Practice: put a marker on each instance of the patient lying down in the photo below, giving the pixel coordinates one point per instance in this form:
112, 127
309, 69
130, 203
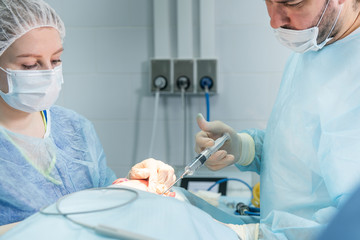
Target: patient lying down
248, 231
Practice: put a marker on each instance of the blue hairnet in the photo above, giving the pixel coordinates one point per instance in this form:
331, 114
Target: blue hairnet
18, 17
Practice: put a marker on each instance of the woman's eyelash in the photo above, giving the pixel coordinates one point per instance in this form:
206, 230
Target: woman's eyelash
30, 66
36, 64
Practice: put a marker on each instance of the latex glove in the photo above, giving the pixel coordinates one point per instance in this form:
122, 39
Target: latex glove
228, 154
160, 176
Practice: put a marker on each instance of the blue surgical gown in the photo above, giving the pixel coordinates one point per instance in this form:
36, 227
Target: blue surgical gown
309, 155
345, 225
79, 164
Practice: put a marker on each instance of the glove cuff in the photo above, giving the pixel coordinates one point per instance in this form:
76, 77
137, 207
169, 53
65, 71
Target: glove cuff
247, 149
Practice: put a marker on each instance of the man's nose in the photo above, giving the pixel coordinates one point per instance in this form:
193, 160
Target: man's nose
278, 15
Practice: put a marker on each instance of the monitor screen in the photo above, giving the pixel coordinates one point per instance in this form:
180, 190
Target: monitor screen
203, 183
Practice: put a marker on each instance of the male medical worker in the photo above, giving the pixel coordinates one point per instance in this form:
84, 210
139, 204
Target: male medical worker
308, 157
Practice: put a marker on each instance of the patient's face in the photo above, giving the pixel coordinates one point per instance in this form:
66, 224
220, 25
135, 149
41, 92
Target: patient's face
138, 184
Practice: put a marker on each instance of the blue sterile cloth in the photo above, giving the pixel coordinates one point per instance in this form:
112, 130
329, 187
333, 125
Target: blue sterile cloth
36, 172
216, 212
151, 215
309, 155
345, 225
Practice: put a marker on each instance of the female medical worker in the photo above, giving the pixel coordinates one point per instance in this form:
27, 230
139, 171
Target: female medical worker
308, 157
46, 151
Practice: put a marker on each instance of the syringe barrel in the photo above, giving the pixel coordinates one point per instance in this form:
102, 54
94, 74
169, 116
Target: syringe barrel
204, 155
198, 162
217, 145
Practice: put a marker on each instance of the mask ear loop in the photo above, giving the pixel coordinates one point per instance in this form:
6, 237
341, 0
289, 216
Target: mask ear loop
327, 39
4, 70
322, 15
10, 86
337, 18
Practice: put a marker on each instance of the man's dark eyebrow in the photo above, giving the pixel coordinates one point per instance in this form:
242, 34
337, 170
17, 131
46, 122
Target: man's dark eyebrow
285, 1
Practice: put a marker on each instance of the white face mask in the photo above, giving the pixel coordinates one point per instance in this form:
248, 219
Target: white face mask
304, 40
33, 90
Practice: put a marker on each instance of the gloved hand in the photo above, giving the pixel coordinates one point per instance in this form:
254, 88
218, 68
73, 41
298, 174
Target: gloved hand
159, 175
231, 151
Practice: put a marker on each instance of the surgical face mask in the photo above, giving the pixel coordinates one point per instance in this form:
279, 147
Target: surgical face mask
32, 90
304, 40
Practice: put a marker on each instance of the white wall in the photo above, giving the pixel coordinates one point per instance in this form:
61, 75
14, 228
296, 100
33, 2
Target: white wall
106, 69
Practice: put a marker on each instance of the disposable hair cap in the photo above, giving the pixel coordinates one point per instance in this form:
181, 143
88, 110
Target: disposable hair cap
18, 17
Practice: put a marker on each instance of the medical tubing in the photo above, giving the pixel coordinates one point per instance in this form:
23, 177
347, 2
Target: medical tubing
252, 213
231, 179
98, 210
153, 133
207, 100
101, 229
254, 209
206, 83
90, 211
244, 209
183, 100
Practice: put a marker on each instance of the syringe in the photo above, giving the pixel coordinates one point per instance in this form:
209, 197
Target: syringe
201, 158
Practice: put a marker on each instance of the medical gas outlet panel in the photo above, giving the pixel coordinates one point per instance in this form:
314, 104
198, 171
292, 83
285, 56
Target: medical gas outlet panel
192, 76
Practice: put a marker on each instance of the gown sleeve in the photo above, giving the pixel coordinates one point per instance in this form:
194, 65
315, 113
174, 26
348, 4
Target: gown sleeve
258, 137
106, 175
